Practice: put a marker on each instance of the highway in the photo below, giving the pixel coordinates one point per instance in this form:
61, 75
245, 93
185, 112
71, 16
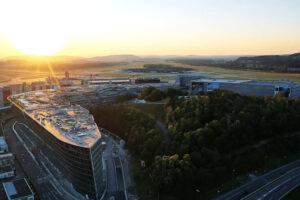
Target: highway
277, 188
266, 183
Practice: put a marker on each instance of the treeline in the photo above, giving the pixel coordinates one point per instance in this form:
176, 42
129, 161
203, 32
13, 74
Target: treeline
137, 128
274, 63
209, 137
160, 68
166, 68
154, 94
125, 97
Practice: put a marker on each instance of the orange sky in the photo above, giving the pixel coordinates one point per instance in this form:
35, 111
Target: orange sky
177, 27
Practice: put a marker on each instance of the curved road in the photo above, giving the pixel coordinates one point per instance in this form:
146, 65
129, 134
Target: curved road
263, 181
277, 188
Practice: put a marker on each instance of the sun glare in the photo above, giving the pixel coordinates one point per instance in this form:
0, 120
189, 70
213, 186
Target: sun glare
37, 27
37, 43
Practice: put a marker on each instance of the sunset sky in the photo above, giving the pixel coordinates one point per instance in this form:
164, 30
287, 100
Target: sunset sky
156, 27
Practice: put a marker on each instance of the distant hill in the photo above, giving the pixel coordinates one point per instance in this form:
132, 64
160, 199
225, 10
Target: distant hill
115, 58
61, 63
279, 63
73, 59
276, 63
31, 58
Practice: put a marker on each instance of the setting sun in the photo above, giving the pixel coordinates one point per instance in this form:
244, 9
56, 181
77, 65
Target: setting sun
36, 27
42, 42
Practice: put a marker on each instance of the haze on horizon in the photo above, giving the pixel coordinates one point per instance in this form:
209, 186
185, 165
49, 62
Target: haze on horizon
170, 27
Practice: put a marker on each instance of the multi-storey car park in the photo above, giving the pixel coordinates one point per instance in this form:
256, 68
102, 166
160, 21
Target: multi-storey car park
245, 87
70, 131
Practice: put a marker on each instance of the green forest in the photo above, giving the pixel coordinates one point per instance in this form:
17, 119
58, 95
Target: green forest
160, 68
212, 139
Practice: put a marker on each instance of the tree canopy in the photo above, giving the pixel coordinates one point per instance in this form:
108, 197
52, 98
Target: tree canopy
209, 136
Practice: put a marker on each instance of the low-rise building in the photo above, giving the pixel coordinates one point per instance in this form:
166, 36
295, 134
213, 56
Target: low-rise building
4, 93
6, 159
16, 190
184, 80
6, 171
245, 87
3, 146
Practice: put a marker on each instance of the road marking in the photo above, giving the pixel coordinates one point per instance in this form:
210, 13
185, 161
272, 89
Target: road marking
289, 191
25, 146
239, 190
266, 194
249, 195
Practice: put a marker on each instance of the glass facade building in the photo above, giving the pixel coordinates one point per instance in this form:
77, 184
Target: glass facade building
84, 164
70, 132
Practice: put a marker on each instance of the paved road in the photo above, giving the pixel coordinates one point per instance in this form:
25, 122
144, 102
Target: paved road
163, 128
284, 190
277, 188
239, 192
111, 175
33, 171
115, 186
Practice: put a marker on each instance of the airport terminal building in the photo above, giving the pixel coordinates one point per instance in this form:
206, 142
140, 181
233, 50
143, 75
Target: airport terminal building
245, 87
70, 131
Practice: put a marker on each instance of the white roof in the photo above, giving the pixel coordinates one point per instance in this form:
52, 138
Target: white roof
211, 80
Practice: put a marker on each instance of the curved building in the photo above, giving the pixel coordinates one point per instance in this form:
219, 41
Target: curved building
70, 131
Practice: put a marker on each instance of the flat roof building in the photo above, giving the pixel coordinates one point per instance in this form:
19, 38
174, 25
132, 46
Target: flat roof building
185, 79
6, 171
16, 190
245, 87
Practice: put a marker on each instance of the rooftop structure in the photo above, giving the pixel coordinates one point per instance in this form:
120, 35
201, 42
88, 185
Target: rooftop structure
69, 123
99, 82
6, 171
222, 80
17, 189
6, 159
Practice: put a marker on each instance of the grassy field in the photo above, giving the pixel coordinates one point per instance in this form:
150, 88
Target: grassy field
293, 195
9, 76
154, 110
218, 72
